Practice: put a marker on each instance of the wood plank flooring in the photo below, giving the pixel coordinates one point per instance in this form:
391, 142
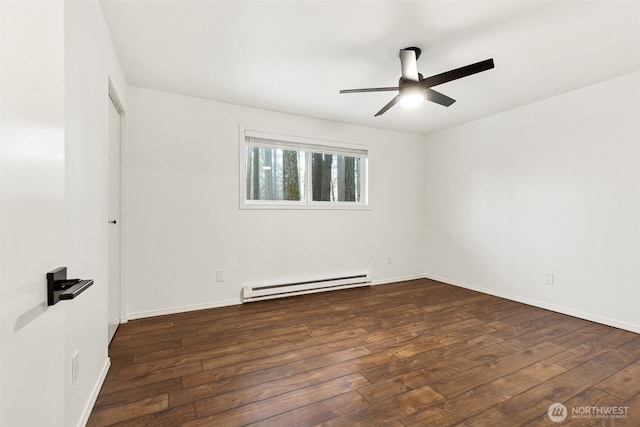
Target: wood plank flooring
416, 353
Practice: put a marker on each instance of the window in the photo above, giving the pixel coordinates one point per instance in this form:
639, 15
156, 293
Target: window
284, 171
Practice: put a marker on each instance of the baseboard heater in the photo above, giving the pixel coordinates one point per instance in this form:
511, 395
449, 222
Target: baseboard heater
263, 292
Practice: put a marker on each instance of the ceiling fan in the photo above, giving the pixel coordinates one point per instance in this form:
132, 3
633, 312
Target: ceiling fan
413, 88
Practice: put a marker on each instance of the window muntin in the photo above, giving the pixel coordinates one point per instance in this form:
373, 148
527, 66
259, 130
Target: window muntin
296, 172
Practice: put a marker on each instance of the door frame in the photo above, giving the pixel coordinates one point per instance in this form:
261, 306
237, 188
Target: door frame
115, 98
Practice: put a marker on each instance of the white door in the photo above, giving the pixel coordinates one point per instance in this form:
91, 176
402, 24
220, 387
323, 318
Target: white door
32, 213
114, 219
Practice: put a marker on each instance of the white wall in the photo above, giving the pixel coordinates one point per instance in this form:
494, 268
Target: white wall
549, 187
181, 216
90, 63
57, 59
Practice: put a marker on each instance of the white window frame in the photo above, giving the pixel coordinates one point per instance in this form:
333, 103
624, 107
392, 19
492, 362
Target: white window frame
308, 145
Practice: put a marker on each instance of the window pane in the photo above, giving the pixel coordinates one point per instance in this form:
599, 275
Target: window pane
289, 172
335, 178
274, 174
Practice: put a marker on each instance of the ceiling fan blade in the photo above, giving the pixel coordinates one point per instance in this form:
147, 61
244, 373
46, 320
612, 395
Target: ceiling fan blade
409, 64
390, 104
438, 97
370, 89
458, 73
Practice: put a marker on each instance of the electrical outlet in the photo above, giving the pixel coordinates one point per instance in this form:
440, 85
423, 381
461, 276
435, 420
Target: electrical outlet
388, 260
75, 367
375, 261
220, 276
548, 278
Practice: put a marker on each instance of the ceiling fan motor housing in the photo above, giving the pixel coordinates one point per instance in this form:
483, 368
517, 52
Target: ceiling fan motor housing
409, 85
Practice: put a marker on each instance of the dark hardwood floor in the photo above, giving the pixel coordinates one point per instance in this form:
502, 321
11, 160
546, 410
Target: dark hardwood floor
417, 353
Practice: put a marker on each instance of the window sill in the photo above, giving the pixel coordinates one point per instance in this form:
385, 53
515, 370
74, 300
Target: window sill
304, 206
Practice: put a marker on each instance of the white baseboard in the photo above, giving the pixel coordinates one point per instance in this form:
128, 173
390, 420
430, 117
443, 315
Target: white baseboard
397, 279
517, 298
182, 309
94, 394
225, 303
540, 304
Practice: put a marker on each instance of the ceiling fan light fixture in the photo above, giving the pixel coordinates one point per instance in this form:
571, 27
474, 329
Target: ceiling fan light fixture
411, 96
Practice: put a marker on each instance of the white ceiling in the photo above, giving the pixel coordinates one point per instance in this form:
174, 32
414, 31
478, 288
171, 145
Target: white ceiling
294, 56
